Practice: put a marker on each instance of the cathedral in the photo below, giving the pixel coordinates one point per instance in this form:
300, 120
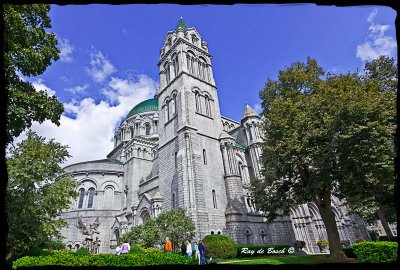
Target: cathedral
177, 151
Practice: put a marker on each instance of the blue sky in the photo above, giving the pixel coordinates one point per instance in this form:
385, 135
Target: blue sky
110, 52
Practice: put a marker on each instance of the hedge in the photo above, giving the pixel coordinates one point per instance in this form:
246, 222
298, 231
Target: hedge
375, 252
248, 250
219, 246
102, 260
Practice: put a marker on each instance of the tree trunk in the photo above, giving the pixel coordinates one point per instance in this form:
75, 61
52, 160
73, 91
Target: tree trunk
385, 224
323, 203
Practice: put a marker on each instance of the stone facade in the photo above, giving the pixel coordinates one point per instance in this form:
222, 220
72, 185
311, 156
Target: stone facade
178, 151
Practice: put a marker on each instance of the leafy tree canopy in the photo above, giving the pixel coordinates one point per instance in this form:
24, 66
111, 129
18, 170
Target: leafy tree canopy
326, 135
174, 224
37, 191
28, 49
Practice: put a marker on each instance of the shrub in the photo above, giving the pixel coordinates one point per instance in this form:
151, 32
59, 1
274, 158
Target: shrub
349, 252
322, 244
82, 252
376, 252
135, 249
345, 243
299, 244
374, 235
219, 246
247, 250
102, 260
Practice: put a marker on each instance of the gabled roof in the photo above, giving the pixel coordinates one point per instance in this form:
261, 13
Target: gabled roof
249, 112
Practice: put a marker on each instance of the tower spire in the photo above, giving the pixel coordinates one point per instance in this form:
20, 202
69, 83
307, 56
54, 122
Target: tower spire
181, 24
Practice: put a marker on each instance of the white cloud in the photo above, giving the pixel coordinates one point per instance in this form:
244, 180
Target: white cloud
40, 86
77, 89
100, 67
257, 108
377, 43
66, 50
372, 15
89, 134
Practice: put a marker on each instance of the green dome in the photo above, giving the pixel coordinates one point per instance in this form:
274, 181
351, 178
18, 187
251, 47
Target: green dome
144, 106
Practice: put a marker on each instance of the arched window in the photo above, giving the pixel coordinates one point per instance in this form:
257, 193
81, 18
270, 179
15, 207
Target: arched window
90, 198
155, 126
202, 68
208, 106
69, 247
240, 167
167, 73
81, 196
147, 127
77, 246
131, 130
198, 102
176, 64
212, 232
172, 107
166, 111
214, 197
204, 157
176, 159
108, 197
173, 201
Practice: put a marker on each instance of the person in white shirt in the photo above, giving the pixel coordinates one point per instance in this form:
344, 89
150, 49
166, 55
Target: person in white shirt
188, 248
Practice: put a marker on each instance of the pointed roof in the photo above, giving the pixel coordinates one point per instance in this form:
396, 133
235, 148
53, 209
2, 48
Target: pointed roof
248, 112
225, 135
181, 24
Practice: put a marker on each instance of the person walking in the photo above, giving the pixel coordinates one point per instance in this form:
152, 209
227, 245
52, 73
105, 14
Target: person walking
168, 246
196, 251
125, 247
202, 249
188, 248
183, 248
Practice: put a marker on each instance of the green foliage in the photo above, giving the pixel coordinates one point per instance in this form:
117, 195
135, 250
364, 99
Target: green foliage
323, 244
328, 135
102, 260
173, 224
299, 244
344, 243
37, 191
349, 252
374, 235
135, 249
375, 252
246, 250
28, 49
82, 252
219, 246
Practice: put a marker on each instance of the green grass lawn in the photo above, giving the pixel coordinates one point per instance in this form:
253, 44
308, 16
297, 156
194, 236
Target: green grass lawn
286, 259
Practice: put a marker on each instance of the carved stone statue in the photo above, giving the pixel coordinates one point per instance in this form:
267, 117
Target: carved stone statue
89, 231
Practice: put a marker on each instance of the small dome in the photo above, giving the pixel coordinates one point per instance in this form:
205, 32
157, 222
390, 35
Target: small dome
148, 105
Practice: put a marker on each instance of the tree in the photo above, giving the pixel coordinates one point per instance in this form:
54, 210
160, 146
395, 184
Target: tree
28, 49
318, 130
173, 224
37, 191
379, 203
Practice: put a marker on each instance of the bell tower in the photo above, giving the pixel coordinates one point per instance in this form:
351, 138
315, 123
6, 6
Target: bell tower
191, 171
